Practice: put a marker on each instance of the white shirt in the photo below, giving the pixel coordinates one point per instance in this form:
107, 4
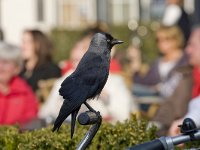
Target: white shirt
194, 111
164, 68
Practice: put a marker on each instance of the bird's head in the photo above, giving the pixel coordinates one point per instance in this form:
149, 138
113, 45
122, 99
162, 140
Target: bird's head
105, 39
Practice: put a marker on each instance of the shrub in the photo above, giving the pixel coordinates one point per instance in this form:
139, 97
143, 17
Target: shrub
109, 137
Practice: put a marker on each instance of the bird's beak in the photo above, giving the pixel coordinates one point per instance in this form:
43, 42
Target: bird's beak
116, 41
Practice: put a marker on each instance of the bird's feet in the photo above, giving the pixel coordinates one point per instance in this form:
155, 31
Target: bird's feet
90, 108
98, 115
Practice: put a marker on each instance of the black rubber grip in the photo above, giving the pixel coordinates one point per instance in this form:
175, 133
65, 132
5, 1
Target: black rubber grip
88, 118
152, 145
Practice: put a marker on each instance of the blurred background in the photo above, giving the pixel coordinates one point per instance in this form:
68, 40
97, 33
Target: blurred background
54, 34
69, 17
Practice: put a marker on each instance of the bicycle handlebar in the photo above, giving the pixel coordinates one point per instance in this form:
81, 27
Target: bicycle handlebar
89, 118
166, 143
189, 133
152, 145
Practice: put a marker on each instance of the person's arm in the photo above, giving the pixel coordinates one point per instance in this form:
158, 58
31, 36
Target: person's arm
194, 111
175, 106
151, 78
31, 106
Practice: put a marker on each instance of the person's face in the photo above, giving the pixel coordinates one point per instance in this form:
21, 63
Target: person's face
8, 69
165, 44
27, 46
76, 55
79, 50
193, 48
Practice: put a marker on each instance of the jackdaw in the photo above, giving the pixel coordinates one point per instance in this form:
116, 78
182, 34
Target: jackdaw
88, 80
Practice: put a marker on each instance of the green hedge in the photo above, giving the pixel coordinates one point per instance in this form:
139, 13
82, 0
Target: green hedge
109, 137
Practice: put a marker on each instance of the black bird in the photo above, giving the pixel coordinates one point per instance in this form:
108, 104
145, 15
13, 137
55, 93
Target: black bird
88, 80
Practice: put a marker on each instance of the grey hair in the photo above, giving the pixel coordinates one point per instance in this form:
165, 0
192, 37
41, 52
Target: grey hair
11, 53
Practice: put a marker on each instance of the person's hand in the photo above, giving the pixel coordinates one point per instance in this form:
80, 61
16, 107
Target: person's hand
174, 129
134, 55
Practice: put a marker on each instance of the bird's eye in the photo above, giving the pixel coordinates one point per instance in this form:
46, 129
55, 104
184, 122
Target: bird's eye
108, 40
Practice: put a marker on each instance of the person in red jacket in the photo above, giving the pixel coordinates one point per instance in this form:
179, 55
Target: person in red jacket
18, 104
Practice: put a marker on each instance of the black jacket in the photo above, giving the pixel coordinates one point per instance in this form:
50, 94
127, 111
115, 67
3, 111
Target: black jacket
43, 72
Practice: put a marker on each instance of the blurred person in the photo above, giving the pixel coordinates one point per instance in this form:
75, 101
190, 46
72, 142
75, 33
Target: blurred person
38, 63
193, 51
176, 105
130, 59
110, 101
134, 56
130, 62
18, 104
175, 15
159, 80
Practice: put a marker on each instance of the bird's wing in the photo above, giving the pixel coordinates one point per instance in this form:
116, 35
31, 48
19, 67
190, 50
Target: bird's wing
93, 73
74, 96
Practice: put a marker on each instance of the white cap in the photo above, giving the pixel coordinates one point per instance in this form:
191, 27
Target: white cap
11, 53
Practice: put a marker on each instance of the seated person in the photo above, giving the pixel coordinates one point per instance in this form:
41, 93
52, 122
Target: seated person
176, 105
192, 113
18, 104
37, 55
193, 51
160, 75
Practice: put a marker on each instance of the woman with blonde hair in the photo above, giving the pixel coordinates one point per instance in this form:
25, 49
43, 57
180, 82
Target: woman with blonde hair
170, 42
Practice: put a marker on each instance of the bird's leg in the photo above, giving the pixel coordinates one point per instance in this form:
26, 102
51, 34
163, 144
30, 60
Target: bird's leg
90, 108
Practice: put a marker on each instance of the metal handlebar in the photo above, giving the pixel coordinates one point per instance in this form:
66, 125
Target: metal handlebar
189, 133
89, 118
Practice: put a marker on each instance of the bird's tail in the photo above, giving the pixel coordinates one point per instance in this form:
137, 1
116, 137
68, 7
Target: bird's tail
73, 121
63, 114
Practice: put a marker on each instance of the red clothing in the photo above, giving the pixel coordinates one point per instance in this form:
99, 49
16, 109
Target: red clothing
115, 67
67, 66
19, 105
196, 86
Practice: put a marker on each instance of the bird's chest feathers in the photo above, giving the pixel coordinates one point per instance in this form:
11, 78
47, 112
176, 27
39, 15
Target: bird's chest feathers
105, 61
102, 57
